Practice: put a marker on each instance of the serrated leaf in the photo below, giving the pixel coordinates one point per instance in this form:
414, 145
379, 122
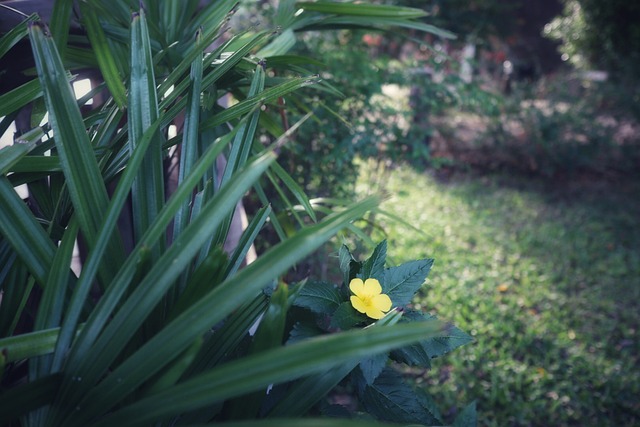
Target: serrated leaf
391, 399
427, 402
302, 331
371, 367
451, 339
348, 265
412, 355
374, 266
402, 282
346, 317
319, 297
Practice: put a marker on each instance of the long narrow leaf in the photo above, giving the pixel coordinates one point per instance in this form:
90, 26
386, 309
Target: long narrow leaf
189, 147
103, 53
225, 298
60, 22
247, 239
28, 397
368, 10
32, 344
83, 177
150, 291
10, 155
147, 193
97, 255
275, 366
26, 236
104, 310
51, 306
19, 97
14, 35
269, 95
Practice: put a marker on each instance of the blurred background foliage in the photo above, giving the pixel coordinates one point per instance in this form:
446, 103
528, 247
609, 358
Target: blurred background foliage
541, 88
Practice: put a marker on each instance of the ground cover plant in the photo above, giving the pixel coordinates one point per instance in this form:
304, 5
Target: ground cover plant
544, 276
161, 326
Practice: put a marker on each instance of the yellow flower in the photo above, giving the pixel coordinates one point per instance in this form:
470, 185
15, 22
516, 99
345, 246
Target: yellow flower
369, 298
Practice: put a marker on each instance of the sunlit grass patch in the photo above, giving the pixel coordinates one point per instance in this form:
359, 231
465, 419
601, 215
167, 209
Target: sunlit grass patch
544, 279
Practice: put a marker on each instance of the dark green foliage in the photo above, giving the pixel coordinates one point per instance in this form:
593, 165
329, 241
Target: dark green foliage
381, 389
389, 398
319, 297
601, 34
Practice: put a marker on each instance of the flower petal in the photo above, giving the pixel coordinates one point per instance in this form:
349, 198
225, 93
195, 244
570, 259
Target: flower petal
357, 287
358, 304
374, 313
381, 302
372, 287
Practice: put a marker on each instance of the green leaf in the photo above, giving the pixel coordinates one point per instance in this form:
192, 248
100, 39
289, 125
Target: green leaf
319, 297
374, 266
451, 338
147, 193
246, 241
19, 97
104, 56
83, 178
27, 397
26, 346
223, 341
11, 154
179, 366
96, 257
368, 10
345, 317
226, 297
391, 399
258, 371
247, 105
348, 265
19, 227
384, 23
104, 310
302, 331
372, 367
51, 308
295, 189
190, 135
468, 417
412, 355
440, 345
143, 300
14, 35
402, 282
269, 335
281, 45
60, 22
305, 393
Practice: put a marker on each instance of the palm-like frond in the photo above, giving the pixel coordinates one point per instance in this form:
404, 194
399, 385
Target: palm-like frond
145, 332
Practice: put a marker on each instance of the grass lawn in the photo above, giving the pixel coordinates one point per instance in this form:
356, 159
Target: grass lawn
544, 276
